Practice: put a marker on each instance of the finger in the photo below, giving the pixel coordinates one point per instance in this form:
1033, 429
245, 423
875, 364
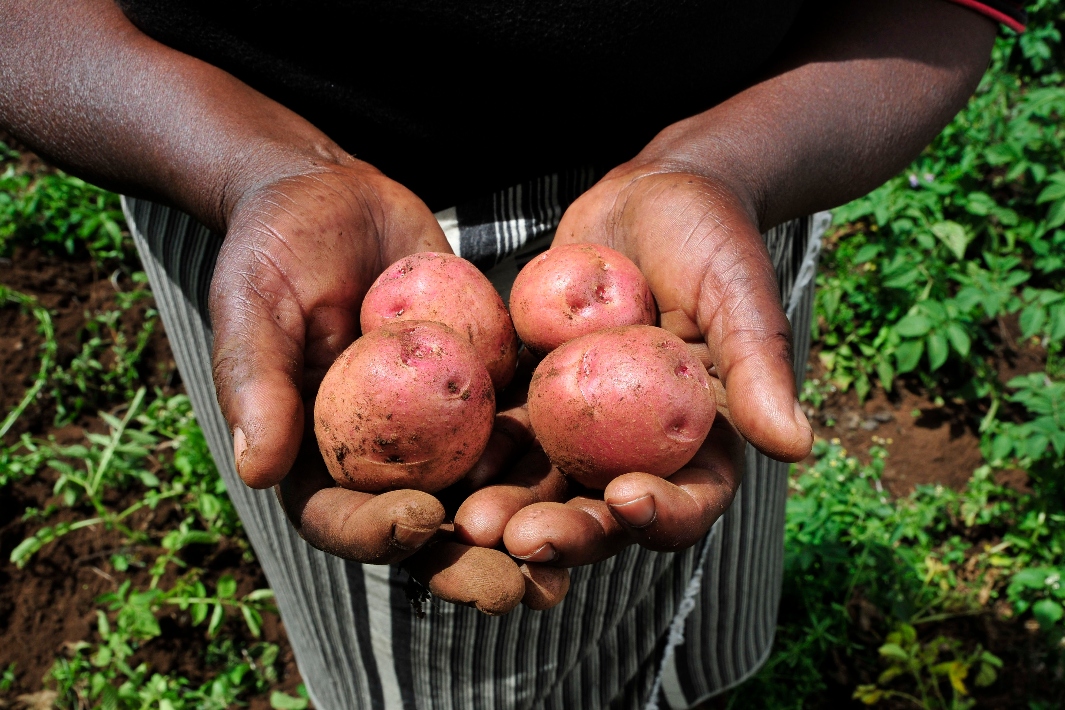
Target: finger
674, 513
475, 576
257, 365
482, 518
545, 586
511, 436
749, 338
579, 532
375, 529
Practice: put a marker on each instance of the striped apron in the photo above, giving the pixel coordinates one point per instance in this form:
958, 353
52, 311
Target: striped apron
641, 630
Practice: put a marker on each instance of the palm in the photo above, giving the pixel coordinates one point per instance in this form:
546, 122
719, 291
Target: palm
711, 276
298, 258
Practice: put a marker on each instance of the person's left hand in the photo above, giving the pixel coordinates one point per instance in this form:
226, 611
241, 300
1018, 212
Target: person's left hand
696, 240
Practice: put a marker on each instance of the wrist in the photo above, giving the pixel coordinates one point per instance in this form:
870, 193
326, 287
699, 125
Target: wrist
694, 148
265, 161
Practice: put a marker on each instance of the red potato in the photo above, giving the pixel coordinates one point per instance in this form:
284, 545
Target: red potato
450, 290
408, 405
619, 401
577, 289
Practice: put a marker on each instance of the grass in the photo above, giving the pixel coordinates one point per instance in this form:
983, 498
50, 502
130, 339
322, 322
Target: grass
918, 280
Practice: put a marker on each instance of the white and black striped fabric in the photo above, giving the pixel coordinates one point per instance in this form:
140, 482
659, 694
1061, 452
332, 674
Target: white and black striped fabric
641, 630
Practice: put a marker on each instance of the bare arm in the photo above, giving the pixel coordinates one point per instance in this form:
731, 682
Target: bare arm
864, 87
82, 86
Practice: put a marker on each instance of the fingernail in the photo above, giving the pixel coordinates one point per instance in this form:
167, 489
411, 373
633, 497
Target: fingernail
800, 417
410, 538
240, 446
637, 513
544, 553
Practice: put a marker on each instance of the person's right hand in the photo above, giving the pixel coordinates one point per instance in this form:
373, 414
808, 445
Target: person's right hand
299, 255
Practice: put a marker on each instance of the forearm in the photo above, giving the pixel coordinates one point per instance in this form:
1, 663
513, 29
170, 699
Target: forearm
847, 107
85, 88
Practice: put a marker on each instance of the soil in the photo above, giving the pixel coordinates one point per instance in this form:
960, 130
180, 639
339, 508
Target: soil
929, 439
69, 288
49, 605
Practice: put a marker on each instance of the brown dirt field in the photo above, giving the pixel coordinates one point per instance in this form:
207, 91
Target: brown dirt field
49, 605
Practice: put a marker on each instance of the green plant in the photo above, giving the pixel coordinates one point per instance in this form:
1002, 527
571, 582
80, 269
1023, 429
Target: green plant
58, 213
49, 347
925, 268
7, 679
282, 701
906, 655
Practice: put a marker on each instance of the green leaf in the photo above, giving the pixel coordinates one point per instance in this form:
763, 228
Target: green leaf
1054, 191
985, 676
259, 595
954, 236
1032, 320
1047, 612
109, 698
886, 373
894, 652
903, 280
1056, 214
1032, 578
890, 674
253, 619
1057, 323
24, 550
217, 616
991, 659
120, 562
907, 355
980, 204
866, 253
959, 339
227, 587
198, 612
1001, 446
830, 302
281, 701
938, 350
102, 657
913, 326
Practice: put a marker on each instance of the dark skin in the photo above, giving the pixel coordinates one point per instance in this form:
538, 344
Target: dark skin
308, 228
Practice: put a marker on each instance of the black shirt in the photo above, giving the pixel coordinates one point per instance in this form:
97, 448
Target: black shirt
457, 98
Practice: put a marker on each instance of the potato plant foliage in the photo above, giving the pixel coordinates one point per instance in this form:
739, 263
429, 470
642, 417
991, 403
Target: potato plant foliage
920, 279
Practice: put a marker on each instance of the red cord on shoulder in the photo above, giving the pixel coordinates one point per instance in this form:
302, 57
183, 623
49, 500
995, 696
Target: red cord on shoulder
994, 14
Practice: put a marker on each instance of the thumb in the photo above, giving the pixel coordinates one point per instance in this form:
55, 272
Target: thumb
258, 364
740, 314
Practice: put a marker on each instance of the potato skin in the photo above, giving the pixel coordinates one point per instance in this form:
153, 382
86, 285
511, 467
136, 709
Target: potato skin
408, 405
450, 290
619, 401
577, 289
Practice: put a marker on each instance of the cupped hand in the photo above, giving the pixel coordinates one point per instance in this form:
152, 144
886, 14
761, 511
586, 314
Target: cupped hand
697, 241
299, 255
